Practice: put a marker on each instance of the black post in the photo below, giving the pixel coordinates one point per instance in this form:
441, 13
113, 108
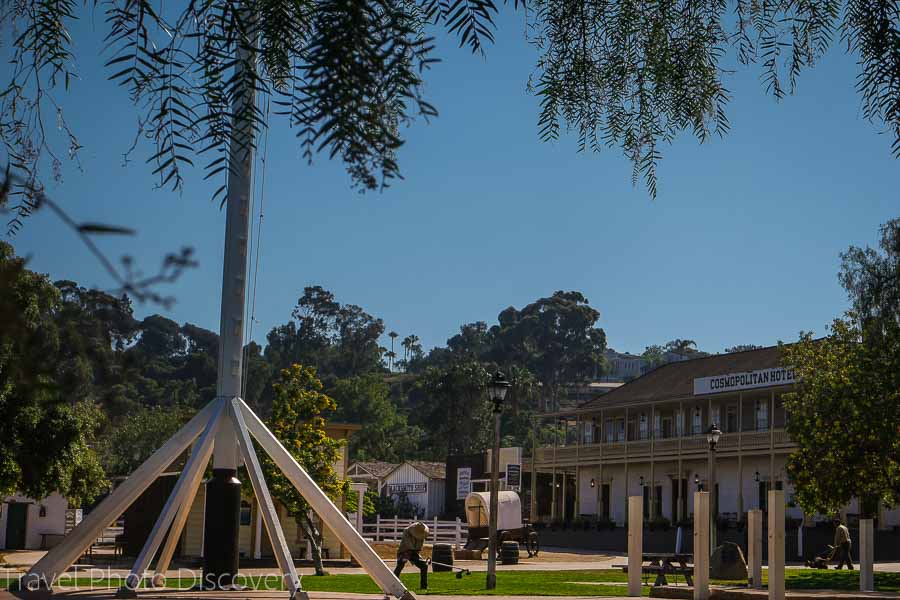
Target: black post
222, 530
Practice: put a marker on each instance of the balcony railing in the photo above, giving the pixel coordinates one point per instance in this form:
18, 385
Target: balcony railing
692, 445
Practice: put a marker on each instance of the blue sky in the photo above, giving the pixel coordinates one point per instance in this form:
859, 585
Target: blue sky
741, 246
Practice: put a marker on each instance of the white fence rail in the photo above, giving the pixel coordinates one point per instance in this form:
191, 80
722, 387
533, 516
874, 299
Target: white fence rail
441, 532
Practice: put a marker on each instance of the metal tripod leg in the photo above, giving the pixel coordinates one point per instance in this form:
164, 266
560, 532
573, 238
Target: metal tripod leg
188, 480
325, 508
165, 556
63, 555
270, 517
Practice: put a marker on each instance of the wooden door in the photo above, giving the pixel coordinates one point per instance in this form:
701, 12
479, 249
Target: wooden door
16, 525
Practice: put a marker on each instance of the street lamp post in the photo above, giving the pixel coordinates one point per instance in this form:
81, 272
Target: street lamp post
497, 389
712, 437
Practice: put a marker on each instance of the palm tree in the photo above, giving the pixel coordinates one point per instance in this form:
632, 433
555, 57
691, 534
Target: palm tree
391, 355
682, 347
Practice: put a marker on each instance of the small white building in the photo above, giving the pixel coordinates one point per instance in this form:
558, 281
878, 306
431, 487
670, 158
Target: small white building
371, 472
28, 524
421, 482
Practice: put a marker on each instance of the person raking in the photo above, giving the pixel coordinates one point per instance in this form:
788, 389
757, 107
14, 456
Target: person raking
411, 543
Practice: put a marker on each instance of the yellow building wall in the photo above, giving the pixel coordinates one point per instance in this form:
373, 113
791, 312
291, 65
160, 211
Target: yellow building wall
192, 538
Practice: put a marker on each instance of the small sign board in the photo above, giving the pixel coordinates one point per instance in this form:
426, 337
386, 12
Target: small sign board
463, 482
407, 488
514, 476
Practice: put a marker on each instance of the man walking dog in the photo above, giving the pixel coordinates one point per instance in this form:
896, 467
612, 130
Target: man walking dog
410, 546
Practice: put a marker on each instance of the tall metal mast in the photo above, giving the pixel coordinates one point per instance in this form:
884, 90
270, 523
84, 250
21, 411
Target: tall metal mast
221, 535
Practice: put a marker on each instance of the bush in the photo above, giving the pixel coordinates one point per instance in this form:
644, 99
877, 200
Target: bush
659, 523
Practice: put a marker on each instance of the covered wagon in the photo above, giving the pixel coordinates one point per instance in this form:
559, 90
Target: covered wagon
510, 526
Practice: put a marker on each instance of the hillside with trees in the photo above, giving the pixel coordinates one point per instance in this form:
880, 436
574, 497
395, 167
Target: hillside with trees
92, 381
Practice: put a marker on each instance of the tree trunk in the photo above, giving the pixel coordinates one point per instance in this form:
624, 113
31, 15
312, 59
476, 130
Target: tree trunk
315, 543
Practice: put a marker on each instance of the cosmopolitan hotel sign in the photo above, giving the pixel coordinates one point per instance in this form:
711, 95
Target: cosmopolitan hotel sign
748, 380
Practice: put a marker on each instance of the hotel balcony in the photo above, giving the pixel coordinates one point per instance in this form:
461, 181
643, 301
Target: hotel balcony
662, 449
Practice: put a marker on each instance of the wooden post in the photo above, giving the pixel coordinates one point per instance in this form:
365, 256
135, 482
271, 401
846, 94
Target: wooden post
458, 532
776, 544
635, 543
866, 555
395, 528
754, 547
701, 545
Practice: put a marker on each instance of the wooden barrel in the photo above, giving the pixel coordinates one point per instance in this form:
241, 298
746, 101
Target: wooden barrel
441, 553
509, 553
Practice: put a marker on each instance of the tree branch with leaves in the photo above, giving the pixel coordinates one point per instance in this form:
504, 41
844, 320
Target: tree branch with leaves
298, 424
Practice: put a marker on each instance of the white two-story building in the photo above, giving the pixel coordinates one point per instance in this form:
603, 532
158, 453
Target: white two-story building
648, 437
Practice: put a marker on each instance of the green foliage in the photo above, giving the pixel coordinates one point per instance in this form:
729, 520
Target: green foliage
370, 499
340, 340
872, 277
386, 435
298, 423
138, 435
555, 338
742, 348
845, 418
348, 76
47, 428
845, 414
450, 405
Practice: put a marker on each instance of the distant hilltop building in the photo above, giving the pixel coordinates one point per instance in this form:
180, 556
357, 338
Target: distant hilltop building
624, 366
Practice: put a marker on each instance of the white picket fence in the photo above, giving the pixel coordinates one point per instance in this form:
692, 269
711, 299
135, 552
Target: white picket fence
441, 532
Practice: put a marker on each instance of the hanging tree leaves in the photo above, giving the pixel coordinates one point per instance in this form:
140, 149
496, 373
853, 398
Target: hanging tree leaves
347, 74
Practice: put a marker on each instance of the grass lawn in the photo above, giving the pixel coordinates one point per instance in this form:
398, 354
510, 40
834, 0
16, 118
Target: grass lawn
533, 583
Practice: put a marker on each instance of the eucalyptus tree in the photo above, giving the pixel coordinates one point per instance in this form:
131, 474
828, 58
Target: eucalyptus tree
347, 75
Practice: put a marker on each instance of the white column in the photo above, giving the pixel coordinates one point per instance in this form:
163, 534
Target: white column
701, 545
360, 489
754, 547
635, 543
866, 555
257, 539
776, 544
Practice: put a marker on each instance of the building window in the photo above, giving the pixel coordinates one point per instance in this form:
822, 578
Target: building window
610, 431
697, 424
714, 417
679, 423
588, 432
620, 430
245, 513
762, 415
657, 425
644, 433
667, 428
731, 425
